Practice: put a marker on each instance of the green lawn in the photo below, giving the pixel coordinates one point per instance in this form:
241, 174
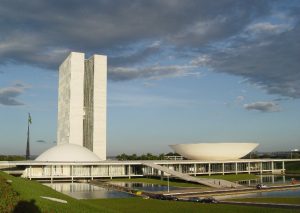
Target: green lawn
292, 167
138, 205
232, 177
288, 200
30, 192
178, 183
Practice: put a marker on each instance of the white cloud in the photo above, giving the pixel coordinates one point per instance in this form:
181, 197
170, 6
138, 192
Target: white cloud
263, 106
202, 60
239, 99
266, 27
152, 73
8, 95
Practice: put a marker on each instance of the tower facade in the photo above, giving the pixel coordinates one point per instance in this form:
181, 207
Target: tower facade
82, 102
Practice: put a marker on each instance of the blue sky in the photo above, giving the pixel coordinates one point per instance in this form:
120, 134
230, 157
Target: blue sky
179, 71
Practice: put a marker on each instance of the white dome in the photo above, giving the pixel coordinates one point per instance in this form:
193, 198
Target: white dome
214, 151
68, 152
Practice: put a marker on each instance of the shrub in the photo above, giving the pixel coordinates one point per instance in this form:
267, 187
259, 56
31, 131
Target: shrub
8, 197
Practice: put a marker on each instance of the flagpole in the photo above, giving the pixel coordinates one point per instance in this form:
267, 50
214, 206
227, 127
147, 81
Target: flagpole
28, 140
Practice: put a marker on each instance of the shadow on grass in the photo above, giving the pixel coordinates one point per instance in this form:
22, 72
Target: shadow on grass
25, 206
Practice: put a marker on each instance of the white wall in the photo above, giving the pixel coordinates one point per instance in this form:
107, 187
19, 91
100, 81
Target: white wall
76, 103
70, 100
100, 93
71, 106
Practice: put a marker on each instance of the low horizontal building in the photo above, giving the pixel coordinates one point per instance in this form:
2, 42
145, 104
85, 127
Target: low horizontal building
111, 169
182, 169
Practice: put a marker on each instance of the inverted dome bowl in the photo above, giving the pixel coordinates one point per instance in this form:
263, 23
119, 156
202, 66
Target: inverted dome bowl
214, 151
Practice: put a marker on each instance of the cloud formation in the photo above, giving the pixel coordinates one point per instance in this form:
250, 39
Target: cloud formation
41, 141
272, 63
254, 39
239, 99
45, 30
263, 106
135, 57
151, 72
9, 95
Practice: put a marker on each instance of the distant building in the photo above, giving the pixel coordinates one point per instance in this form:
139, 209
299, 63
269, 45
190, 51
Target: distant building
82, 102
173, 157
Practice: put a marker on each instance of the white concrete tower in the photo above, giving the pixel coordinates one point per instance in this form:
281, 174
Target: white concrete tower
82, 102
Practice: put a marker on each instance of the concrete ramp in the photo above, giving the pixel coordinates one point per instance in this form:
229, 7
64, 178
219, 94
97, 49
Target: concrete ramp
216, 183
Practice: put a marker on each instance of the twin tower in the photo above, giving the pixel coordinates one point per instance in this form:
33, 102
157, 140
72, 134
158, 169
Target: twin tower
82, 102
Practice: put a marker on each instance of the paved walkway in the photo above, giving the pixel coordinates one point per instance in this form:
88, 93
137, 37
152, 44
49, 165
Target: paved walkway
216, 183
215, 192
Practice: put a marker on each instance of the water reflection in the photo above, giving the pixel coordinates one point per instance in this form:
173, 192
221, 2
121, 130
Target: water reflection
86, 191
286, 193
145, 186
268, 180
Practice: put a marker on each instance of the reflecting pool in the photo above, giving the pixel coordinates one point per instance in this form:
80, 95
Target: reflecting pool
144, 186
86, 191
269, 180
285, 193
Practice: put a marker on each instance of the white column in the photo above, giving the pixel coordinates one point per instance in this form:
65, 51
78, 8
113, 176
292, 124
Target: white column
129, 171
91, 172
72, 173
223, 169
195, 170
109, 172
283, 167
236, 168
51, 174
30, 172
209, 169
272, 166
249, 167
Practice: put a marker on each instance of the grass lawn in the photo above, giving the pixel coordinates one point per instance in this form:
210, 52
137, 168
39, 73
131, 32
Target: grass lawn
288, 200
178, 183
292, 167
138, 205
232, 177
31, 191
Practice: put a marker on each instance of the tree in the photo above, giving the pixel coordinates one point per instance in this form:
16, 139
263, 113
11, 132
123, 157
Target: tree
123, 156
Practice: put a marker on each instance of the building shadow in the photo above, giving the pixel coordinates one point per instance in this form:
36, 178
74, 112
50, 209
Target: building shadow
26, 206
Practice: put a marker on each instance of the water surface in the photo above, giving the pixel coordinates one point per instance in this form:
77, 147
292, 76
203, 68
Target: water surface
145, 186
285, 193
86, 191
269, 180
